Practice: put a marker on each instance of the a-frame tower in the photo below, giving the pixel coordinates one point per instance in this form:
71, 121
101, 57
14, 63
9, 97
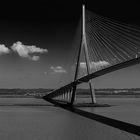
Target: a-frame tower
83, 47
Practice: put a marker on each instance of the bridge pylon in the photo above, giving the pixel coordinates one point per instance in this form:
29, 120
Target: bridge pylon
83, 47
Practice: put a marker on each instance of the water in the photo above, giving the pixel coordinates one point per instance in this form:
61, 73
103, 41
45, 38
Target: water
124, 109
35, 119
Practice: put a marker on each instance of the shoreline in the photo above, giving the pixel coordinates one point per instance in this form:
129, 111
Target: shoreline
78, 96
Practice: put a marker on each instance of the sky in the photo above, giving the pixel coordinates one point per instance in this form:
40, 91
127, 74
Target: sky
39, 40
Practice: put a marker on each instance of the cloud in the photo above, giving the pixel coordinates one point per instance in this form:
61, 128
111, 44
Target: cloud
25, 50
95, 65
58, 69
83, 65
35, 58
4, 49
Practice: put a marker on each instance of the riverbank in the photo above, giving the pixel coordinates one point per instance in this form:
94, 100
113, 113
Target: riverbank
78, 96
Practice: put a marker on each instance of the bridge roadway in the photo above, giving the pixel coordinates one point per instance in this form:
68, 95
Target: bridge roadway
36, 119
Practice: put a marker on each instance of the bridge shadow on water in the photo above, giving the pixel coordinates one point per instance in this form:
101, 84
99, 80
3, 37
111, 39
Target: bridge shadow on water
131, 128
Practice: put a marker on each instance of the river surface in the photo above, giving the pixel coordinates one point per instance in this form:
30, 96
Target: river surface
36, 119
124, 109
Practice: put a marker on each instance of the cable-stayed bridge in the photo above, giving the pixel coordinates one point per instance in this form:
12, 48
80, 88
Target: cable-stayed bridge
106, 45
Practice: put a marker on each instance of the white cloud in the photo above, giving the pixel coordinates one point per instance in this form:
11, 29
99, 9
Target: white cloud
83, 65
58, 69
35, 58
4, 49
25, 50
99, 64
95, 65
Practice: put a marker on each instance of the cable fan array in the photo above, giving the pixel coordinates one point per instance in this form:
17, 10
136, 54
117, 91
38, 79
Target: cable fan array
110, 42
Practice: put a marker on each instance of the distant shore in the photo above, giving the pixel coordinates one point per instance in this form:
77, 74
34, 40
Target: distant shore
15, 96
110, 96
79, 96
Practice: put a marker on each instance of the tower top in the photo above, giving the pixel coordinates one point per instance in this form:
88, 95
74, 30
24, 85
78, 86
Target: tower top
83, 16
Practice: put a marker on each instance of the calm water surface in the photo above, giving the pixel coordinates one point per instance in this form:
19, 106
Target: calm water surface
124, 109
36, 119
